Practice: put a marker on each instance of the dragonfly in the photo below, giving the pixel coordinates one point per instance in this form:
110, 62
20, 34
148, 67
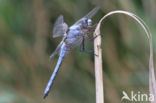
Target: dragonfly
72, 36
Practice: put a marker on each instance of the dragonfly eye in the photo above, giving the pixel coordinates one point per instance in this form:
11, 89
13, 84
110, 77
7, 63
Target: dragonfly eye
89, 22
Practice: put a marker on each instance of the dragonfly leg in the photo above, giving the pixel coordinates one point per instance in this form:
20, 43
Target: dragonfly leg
91, 38
82, 48
92, 28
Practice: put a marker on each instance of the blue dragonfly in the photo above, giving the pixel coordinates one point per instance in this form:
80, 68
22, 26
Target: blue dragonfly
72, 36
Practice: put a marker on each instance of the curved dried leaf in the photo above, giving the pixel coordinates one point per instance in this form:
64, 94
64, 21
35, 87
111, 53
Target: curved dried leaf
152, 82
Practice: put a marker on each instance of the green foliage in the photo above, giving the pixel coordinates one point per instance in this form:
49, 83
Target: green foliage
26, 43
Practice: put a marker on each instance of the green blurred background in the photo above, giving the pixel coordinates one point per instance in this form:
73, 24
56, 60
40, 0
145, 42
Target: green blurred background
26, 43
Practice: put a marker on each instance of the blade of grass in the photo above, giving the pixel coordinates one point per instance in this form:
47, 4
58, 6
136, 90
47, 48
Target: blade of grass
98, 60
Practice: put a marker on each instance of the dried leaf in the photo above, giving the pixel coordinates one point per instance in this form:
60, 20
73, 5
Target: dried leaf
152, 82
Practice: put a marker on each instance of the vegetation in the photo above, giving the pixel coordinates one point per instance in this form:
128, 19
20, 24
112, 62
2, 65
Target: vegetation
26, 43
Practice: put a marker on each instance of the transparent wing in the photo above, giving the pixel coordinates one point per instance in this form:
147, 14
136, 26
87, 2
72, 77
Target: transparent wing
60, 27
59, 20
57, 50
92, 13
89, 15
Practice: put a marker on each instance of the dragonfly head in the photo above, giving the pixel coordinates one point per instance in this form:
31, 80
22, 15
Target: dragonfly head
86, 22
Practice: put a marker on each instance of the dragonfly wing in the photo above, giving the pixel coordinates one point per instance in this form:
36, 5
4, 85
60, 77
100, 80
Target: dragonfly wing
59, 20
92, 13
89, 15
60, 27
57, 50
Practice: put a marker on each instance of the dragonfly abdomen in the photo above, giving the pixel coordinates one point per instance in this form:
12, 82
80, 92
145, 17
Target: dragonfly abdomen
59, 62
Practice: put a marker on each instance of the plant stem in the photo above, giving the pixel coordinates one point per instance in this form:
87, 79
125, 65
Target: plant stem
98, 70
